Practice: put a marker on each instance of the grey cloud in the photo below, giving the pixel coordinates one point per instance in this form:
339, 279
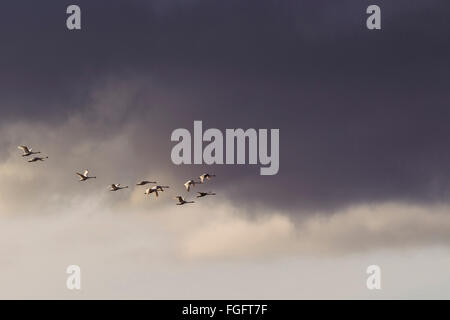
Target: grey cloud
362, 116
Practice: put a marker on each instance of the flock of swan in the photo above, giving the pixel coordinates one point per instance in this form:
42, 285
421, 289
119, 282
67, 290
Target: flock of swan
156, 189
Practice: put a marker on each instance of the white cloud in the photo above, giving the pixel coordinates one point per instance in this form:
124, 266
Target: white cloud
189, 253
231, 236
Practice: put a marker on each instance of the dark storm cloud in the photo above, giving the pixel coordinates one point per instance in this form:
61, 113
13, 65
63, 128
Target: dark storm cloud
363, 115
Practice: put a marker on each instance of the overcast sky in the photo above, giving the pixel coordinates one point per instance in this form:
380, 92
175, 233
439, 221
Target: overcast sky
364, 153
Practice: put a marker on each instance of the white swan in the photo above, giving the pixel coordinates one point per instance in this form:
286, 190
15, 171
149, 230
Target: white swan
206, 176
85, 176
35, 159
155, 190
151, 190
190, 183
116, 187
144, 182
181, 201
204, 194
27, 151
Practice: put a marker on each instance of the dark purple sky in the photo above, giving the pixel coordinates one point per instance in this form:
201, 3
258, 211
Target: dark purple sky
363, 115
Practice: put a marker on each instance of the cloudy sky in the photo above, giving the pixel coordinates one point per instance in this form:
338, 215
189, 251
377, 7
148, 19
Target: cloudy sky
364, 148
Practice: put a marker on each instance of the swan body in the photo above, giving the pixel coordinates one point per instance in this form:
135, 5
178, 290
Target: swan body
181, 201
116, 187
36, 159
206, 176
27, 151
190, 183
151, 190
85, 176
204, 194
155, 190
145, 182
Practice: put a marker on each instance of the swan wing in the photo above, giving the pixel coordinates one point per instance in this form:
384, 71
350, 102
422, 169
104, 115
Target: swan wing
24, 149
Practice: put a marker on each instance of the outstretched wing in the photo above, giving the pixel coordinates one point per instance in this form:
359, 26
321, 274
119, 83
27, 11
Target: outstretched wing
188, 185
86, 172
24, 149
79, 174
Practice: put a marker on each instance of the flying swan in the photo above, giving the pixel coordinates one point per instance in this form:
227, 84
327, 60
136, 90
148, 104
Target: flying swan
27, 151
181, 201
116, 187
85, 176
